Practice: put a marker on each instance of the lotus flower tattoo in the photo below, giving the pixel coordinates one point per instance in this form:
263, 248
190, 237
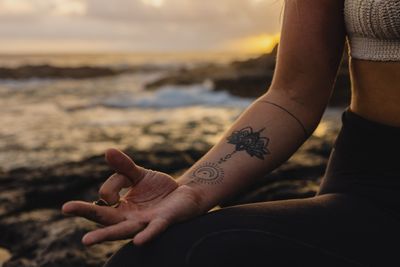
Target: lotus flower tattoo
244, 140
248, 140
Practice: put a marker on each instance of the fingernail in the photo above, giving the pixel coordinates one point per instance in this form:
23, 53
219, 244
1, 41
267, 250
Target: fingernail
64, 208
86, 240
137, 242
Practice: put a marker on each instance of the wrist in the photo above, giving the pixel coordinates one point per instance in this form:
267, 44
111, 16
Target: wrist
197, 192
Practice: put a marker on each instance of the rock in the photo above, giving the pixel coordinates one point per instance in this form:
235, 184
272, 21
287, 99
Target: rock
47, 71
81, 72
31, 224
248, 78
44, 237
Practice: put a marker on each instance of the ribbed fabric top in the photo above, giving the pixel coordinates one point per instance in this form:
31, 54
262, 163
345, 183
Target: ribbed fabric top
373, 28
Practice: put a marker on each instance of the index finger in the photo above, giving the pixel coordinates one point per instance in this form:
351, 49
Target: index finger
123, 164
111, 188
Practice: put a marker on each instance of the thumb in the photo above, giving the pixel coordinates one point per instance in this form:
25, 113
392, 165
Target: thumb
123, 164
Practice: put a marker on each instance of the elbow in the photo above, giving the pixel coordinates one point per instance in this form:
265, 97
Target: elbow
312, 98
306, 103
308, 85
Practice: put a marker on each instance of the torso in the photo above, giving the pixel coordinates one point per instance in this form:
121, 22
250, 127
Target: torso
376, 90
373, 28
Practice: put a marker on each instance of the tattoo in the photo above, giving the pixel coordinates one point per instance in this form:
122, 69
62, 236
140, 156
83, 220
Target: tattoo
228, 156
248, 140
244, 140
208, 173
291, 114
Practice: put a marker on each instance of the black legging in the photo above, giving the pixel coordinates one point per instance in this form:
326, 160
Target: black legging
353, 220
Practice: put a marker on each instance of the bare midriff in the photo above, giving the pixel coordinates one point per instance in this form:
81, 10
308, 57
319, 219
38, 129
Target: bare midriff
376, 90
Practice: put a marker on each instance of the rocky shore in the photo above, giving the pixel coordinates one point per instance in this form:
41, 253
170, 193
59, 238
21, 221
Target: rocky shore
37, 234
57, 72
248, 78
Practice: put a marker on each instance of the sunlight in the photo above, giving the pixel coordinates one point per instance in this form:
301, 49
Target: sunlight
154, 3
263, 43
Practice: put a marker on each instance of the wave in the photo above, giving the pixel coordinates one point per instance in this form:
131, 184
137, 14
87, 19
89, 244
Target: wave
177, 96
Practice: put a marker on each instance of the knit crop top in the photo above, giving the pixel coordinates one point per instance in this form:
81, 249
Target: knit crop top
373, 29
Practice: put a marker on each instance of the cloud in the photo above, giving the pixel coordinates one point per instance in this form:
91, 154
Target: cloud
221, 11
160, 25
19, 8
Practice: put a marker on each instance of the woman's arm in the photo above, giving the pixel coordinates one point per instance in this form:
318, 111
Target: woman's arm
266, 135
277, 123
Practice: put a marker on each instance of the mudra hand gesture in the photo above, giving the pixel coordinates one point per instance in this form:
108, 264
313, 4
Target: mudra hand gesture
154, 201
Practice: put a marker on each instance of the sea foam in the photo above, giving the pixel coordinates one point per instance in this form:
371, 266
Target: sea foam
177, 96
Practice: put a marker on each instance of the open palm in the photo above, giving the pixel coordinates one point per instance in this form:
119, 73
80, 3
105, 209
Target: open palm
153, 201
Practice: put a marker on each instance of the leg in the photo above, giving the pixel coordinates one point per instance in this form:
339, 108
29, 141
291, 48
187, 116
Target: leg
327, 230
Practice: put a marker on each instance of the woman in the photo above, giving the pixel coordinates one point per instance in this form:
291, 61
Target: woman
352, 221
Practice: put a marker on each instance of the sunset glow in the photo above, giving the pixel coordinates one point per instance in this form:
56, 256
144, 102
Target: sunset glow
263, 43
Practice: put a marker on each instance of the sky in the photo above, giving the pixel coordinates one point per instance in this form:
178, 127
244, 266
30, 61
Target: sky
52, 26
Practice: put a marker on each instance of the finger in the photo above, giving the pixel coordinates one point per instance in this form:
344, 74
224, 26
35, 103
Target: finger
123, 164
109, 191
122, 230
154, 228
99, 214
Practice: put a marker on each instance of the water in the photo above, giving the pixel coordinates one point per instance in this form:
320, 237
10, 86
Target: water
121, 60
50, 121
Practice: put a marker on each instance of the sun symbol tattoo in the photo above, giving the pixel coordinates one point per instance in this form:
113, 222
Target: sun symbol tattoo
208, 173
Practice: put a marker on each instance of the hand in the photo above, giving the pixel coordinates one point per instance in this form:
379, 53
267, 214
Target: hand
153, 201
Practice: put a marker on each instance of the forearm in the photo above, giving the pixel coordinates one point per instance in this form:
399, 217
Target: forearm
261, 139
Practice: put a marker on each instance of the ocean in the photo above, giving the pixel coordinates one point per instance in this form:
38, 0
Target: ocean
47, 121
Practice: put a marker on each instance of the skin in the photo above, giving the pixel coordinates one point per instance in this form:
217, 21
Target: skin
376, 90
311, 47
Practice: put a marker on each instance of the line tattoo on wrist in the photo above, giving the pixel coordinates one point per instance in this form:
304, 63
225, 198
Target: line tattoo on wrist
306, 134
